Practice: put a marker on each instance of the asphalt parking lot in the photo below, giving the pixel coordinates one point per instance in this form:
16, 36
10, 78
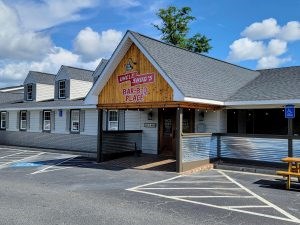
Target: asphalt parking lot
39, 187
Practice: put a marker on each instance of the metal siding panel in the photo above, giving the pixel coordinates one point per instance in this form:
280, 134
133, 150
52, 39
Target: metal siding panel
296, 148
258, 149
195, 148
82, 120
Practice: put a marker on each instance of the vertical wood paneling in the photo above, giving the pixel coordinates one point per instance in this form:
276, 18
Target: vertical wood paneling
158, 91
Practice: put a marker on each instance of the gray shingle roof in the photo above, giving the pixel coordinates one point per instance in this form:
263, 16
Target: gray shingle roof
197, 75
100, 67
10, 97
44, 104
78, 73
272, 84
39, 77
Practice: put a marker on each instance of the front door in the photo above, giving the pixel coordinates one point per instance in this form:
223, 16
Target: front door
167, 132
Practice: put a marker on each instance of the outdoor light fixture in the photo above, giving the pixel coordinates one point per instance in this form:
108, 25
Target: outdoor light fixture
150, 115
129, 64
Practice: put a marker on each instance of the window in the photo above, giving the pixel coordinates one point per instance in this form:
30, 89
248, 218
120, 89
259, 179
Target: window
75, 121
3, 120
29, 92
113, 120
23, 120
62, 89
47, 121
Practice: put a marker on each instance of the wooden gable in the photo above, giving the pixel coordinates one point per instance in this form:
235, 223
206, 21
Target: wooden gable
135, 81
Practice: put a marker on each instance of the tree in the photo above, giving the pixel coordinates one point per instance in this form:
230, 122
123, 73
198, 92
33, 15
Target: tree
174, 29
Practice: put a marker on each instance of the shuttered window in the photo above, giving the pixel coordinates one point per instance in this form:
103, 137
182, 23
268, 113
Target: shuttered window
75, 121
47, 121
3, 120
112, 120
23, 120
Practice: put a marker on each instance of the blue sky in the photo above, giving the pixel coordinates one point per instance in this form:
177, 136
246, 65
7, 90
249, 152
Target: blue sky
43, 34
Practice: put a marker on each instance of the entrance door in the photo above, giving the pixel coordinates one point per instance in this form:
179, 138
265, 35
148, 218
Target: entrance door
167, 132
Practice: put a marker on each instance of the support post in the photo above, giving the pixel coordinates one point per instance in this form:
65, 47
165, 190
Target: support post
179, 116
100, 136
290, 140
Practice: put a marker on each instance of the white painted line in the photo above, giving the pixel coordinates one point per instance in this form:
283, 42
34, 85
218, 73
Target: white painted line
2, 157
212, 196
14, 161
187, 188
248, 173
48, 167
249, 206
198, 182
262, 199
156, 182
214, 206
202, 176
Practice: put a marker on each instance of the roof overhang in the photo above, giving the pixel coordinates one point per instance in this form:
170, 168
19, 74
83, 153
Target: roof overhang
124, 45
262, 103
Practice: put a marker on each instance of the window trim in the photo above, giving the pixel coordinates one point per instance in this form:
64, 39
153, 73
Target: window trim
20, 120
71, 130
58, 88
29, 99
109, 121
3, 112
44, 111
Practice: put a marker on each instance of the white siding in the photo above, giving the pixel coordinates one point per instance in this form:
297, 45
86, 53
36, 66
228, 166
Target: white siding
213, 122
60, 123
34, 121
44, 92
91, 122
134, 120
13, 117
79, 88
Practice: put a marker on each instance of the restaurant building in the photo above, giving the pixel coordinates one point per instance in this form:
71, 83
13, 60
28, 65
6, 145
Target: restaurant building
193, 107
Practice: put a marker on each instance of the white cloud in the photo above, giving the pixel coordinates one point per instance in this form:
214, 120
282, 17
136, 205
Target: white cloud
16, 42
15, 73
246, 49
291, 31
91, 44
276, 47
50, 12
261, 30
265, 42
271, 62
124, 3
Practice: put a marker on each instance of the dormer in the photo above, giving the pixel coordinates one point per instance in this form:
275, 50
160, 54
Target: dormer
99, 69
39, 86
72, 83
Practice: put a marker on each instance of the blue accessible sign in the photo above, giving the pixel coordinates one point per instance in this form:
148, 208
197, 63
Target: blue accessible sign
289, 111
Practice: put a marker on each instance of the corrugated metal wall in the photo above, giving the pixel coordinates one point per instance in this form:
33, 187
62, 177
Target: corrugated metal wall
198, 147
258, 149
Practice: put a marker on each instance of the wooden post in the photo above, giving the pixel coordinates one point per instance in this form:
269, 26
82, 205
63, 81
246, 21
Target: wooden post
100, 136
179, 116
290, 140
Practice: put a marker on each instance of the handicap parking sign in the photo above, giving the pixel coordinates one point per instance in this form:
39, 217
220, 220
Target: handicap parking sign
289, 111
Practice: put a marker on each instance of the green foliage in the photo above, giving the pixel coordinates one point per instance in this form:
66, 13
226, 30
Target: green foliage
174, 29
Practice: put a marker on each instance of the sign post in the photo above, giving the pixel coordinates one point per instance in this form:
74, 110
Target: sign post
290, 115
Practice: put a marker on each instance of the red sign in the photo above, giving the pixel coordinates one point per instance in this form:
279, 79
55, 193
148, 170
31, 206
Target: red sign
126, 77
136, 93
142, 79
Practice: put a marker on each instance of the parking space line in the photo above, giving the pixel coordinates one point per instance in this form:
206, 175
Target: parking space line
262, 199
249, 206
212, 196
2, 157
213, 206
198, 182
202, 176
248, 173
283, 216
189, 188
44, 170
14, 161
